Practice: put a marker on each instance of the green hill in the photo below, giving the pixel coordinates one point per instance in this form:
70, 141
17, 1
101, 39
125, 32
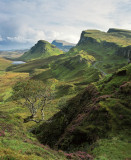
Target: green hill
76, 70
42, 49
90, 110
88, 62
115, 36
4, 63
101, 111
16, 142
112, 50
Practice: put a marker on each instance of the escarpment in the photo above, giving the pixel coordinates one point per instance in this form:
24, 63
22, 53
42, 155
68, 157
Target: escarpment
116, 39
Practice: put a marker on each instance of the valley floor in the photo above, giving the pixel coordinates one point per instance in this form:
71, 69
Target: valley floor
18, 143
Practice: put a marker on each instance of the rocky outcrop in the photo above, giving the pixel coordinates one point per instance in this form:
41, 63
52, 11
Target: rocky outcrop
88, 37
63, 45
124, 51
84, 39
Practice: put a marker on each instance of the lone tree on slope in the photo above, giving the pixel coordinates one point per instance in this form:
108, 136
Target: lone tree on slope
34, 95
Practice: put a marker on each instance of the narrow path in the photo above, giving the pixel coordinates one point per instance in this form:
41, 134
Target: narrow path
94, 65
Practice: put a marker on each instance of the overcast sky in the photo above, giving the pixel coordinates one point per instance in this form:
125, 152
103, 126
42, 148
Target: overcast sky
24, 22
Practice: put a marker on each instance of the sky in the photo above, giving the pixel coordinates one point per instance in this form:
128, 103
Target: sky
24, 22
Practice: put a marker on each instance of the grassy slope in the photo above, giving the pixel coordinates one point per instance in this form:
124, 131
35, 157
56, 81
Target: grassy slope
99, 116
42, 49
120, 38
68, 68
103, 46
4, 63
71, 73
107, 60
79, 66
15, 141
30, 66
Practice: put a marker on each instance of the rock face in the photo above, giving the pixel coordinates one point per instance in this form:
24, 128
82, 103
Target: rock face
63, 45
117, 39
124, 51
42, 49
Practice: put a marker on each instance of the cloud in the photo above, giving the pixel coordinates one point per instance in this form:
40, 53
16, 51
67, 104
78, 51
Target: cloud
28, 35
27, 21
1, 39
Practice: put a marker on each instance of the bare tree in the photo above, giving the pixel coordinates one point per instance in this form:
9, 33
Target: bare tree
34, 95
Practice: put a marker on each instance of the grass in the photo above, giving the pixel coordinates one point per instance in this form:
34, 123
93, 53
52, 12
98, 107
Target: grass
42, 49
16, 142
4, 63
8, 79
99, 111
115, 80
30, 66
113, 37
75, 70
110, 50
116, 148
105, 57
26, 149
98, 117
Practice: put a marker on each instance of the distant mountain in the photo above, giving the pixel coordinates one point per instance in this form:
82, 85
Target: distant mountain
63, 45
95, 51
42, 49
12, 53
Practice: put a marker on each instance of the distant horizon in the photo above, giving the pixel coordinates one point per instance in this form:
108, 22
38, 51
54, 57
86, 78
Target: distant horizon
13, 49
24, 22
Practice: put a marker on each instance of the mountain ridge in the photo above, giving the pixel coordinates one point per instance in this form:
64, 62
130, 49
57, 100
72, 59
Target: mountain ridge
112, 38
90, 110
42, 49
63, 45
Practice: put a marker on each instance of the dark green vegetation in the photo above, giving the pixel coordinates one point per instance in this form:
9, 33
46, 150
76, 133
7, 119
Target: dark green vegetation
34, 95
89, 114
68, 73
42, 49
16, 142
89, 61
112, 50
63, 45
101, 111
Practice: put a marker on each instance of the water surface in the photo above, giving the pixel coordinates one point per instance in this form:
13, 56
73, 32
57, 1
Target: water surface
18, 62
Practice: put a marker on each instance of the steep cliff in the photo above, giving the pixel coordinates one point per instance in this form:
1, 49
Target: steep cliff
112, 49
117, 39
